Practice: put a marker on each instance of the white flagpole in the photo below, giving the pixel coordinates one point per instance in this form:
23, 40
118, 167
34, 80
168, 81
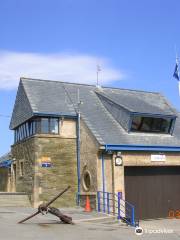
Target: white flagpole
98, 70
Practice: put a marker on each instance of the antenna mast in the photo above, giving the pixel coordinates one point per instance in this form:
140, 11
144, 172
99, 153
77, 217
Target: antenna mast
97, 71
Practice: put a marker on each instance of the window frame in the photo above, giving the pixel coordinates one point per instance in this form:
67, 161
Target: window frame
33, 126
21, 168
171, 120
39, 128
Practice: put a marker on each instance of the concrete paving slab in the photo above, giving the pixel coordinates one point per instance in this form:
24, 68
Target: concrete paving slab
48, 228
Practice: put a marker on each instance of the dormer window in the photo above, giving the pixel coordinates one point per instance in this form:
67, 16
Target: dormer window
151, 124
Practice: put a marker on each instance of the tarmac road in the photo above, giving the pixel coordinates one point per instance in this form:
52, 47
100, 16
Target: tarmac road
89, 226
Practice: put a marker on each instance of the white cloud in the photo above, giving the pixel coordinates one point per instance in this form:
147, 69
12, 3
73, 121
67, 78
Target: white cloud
63, 67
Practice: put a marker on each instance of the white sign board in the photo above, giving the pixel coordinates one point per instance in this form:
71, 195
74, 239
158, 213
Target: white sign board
158, 158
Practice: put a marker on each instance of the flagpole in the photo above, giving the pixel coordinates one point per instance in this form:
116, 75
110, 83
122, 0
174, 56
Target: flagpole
179, 87
98, 70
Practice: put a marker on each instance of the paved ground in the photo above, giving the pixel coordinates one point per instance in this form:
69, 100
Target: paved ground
88, 226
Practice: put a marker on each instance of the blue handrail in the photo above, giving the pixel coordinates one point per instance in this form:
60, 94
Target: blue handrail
113, 203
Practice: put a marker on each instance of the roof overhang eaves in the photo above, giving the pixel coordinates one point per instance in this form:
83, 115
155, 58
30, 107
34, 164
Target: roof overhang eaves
158, 115
115, 147
61, 114
41, 114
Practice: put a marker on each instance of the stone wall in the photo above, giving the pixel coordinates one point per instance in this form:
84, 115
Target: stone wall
89, 156
25, 152
3, 179
108, 173
144, 159
89, 162
43, 183
49, 181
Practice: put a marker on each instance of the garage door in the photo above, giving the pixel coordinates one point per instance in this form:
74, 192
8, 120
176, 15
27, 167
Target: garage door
154, 191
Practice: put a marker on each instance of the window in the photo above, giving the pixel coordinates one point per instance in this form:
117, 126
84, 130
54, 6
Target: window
86, 180
14, 171
21, 168
150, 124
54, 125
38, 125
48, 125
44, 125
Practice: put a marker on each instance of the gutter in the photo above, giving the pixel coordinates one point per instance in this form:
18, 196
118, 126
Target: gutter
116, 147
41, 114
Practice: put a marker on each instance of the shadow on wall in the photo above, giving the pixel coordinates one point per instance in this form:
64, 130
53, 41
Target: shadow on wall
4, 179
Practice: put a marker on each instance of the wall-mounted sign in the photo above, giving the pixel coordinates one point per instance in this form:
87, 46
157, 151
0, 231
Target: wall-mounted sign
46, 164
45, 159
158, 158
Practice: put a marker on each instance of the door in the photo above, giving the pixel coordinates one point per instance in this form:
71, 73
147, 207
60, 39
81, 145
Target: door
154, 191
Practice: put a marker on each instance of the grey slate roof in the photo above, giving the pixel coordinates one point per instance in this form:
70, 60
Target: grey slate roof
59, 97
139, 101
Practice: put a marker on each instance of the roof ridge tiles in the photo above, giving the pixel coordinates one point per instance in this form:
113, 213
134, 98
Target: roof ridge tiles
55, 81
84, 84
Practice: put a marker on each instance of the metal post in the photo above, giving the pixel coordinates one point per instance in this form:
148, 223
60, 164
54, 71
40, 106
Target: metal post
103, 183
104, 202
99, 201
78, 156
108, 205
132, 217
119, 205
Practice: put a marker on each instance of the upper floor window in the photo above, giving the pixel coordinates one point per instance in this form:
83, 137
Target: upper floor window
150, 124
49, 125
37, 125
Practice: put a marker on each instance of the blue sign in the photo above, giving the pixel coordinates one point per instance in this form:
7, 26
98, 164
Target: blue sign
46, 164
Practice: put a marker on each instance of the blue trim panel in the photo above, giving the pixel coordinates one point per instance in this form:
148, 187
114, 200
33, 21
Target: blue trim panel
154, 115
6, 163
55, 114
142, 148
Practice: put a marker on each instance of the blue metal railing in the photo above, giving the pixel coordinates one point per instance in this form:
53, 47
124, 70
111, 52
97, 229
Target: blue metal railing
114, 204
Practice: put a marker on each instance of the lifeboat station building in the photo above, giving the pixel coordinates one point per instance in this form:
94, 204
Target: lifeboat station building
96, 139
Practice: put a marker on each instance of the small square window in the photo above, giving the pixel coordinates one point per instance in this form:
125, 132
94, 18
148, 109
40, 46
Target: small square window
54, 126
21, 168
44, 125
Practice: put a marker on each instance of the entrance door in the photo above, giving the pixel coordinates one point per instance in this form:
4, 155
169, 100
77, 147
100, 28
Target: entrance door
154, 191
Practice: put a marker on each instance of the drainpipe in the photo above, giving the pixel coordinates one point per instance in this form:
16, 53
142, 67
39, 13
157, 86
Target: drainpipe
78, 155
103, 173
113, 182
103, 182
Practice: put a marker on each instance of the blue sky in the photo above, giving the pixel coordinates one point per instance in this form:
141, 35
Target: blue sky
133, 41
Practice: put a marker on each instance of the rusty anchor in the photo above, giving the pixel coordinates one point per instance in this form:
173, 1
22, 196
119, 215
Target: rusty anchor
46, 208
